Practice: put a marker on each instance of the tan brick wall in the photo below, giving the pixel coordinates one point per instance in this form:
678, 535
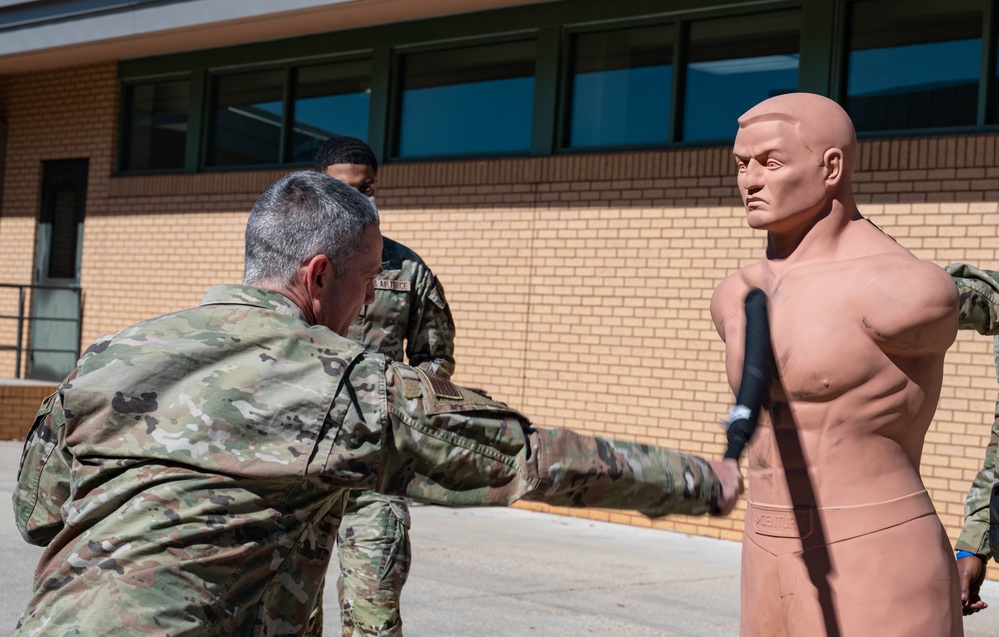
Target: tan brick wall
64, 114
20, 402
579, 283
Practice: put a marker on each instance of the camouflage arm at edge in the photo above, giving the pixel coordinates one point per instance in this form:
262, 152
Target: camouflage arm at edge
43, 479
975, 535
979, 297
979, 310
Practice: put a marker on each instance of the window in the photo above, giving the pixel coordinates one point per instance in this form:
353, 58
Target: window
735, 63
614, 76
913, 64
329, 99
155, 135
247, 118
621, 85
476, 99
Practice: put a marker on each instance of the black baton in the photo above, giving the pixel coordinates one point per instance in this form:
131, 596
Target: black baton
757, 369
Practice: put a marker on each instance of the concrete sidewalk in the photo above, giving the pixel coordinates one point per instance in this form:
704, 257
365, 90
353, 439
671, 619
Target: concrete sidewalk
510, 573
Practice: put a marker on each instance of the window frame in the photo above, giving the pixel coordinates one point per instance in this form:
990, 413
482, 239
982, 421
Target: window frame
565, 82
987, 81
394, 124
124, 117
984, 81
289, 68
823, 51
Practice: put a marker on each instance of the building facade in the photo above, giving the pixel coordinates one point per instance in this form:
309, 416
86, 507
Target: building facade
564, 167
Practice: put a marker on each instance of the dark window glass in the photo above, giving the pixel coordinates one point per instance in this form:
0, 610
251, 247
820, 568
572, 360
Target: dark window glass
913, 64
64, 197
156, 128
246, 123
328, 100
735, 63
621, 83
477, 99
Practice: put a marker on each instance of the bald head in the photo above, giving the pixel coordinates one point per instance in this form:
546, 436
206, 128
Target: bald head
819, 123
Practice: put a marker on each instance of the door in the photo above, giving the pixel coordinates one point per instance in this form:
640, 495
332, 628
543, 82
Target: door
55, 307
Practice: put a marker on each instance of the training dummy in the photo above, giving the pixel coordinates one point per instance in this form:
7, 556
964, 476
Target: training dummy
841, 538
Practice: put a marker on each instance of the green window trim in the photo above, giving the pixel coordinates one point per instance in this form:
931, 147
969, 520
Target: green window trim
823, 53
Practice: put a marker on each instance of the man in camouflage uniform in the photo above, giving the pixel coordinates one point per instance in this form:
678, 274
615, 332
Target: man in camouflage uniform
979, 294
409, 308
187, 478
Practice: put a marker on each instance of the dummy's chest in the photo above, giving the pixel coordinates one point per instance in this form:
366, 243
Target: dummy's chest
822, 345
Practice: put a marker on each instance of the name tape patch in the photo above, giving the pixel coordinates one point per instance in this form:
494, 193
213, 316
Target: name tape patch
395, 286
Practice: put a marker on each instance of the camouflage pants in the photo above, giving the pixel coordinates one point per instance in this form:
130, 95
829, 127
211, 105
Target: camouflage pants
373, 546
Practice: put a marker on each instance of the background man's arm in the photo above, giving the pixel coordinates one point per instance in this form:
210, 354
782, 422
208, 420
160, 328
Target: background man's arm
430, 333
979, 308
979, 298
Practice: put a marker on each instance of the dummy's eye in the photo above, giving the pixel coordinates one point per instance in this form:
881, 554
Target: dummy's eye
773, 164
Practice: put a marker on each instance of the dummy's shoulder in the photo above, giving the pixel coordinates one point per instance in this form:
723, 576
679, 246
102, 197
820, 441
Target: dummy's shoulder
732, 290
920, 278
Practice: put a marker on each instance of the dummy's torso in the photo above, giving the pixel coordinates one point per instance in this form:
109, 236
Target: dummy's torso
858, 378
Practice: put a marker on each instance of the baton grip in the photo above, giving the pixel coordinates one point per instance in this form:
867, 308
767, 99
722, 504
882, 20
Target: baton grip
757, 370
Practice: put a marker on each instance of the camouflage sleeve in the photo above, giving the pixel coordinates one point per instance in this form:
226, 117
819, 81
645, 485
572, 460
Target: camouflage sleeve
43, 476
453, 446
975, 536
430, 333
979, 297
979, 309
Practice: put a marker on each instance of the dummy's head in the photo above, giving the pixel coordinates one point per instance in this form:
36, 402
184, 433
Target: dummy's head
795, 154
819, 123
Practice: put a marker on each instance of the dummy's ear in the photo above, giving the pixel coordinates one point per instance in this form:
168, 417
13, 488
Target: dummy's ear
318, 272
833, 162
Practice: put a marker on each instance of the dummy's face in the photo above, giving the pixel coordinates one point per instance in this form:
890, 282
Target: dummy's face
340, 303
782, 182
360, 177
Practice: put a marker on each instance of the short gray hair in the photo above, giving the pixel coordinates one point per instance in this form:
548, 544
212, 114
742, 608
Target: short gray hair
304, 214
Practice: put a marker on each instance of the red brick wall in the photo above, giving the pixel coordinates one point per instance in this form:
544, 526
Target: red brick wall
579, 283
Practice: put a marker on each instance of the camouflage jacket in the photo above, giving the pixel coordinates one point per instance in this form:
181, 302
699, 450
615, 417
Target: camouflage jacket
187, 478
409, 306
979, 298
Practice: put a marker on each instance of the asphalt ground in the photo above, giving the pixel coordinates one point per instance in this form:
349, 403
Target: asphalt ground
511, 573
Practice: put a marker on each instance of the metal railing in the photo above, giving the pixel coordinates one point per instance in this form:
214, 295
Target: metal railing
24, 319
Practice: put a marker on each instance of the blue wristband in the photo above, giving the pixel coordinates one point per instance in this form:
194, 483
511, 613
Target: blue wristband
961, 554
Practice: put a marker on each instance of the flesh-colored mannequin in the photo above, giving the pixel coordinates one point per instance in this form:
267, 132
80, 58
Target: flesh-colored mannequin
841, 539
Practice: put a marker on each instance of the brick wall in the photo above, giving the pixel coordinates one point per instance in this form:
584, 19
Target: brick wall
20, 400
579, 283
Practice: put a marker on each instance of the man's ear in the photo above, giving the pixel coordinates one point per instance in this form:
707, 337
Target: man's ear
833, 162
318, 272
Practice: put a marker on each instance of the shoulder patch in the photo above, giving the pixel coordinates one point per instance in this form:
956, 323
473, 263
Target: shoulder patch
440, 386
412, 388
